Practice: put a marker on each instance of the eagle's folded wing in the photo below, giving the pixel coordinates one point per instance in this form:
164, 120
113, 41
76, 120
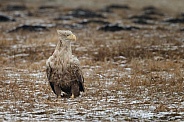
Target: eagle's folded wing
77, 72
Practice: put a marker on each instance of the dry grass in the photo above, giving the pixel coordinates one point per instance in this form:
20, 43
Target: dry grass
139, 47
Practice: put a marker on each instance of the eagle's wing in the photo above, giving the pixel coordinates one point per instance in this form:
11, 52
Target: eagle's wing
77, 73
49, 73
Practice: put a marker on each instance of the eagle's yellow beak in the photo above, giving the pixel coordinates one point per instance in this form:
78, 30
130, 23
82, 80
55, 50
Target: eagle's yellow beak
72, 37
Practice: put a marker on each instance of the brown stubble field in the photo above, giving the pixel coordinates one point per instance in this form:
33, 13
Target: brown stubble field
132, 57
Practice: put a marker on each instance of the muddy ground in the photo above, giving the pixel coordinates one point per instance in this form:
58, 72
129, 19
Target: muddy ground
131, 53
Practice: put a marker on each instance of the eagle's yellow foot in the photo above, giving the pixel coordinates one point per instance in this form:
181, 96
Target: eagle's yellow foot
72, 96
59, 97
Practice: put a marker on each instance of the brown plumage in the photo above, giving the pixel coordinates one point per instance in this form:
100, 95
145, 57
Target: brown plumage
63, 68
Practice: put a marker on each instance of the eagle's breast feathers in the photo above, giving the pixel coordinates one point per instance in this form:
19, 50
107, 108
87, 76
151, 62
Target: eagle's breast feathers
61, 71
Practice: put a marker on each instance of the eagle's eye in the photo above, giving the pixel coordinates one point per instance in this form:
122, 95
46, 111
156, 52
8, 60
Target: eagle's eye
67, 34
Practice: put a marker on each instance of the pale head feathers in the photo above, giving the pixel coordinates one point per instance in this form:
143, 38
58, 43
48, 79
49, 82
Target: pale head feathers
66, 35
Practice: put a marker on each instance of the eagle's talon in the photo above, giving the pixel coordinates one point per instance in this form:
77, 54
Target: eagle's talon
72, 96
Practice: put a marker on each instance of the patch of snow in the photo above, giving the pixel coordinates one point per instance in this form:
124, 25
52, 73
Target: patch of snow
141, 114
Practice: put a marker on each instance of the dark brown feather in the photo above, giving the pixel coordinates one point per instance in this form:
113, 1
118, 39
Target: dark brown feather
71, 76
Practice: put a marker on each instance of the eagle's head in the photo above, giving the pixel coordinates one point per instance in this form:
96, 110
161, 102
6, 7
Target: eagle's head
66, 35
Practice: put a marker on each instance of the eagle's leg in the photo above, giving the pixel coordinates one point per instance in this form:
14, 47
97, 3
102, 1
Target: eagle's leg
75, 90
57, 90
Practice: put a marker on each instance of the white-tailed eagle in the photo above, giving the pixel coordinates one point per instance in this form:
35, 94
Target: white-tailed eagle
63, 68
